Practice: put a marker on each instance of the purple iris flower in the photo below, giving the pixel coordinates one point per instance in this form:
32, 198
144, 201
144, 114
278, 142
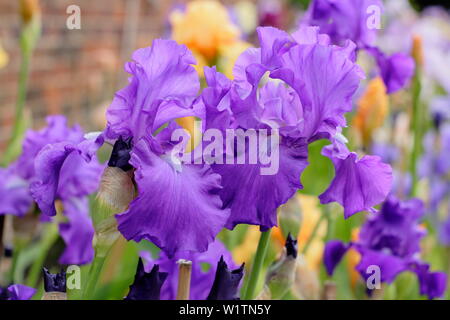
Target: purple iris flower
17, 292
146, 285
57, 163
444, 232
310, 88
204, 267
346, 20
390, 240
435, 166
179, 208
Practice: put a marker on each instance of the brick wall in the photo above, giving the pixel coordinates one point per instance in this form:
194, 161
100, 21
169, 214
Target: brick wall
76, 72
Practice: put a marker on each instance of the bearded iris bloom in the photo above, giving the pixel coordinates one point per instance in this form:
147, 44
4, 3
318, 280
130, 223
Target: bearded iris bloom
315, 82
57, 163
390, 240
182, 197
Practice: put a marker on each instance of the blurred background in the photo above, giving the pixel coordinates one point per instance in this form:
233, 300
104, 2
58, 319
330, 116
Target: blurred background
76, 72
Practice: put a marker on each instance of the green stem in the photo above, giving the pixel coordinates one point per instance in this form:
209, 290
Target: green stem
50, 237
93, 277
258, 262
417, 132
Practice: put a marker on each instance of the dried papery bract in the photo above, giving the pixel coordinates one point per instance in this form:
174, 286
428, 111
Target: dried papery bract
281, 275
329, 291
307, 284
115, 194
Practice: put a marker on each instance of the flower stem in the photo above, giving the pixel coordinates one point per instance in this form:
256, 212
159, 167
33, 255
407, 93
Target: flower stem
417, 132
93, 277
184, 279
49, 238
260, 255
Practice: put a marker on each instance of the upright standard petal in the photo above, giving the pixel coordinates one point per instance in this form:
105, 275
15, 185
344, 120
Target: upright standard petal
359, 184
163, 84
325, 79
64, 170
178, 209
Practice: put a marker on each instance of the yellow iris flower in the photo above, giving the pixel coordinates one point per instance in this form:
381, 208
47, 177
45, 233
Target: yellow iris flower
205, 26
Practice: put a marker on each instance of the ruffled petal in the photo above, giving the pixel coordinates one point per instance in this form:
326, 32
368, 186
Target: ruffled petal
178, 209
358, 185
325, 78
254, 198
432, 284
163, 83
64, 170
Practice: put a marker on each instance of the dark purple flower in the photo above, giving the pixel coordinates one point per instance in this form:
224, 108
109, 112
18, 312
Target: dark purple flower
390, 240
120, 154
350, 20
344, 20
146, 285
226, 283
333, 254
54, 282
204, 267
291, 246
17, 292
432, 284
14, 193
